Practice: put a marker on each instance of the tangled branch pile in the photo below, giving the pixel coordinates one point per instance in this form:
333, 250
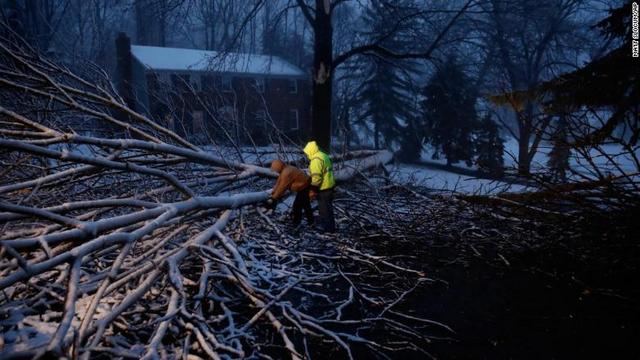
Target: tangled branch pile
143, 245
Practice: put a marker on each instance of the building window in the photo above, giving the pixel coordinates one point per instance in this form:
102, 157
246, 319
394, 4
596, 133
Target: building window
258, 83
293, 86
226, 84
169, 123
208, 83
227, 113
196, 83
198, 122
164, 78
294, 123
261, 119
180, 81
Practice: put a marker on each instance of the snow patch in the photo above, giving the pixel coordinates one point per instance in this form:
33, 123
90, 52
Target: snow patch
448, 182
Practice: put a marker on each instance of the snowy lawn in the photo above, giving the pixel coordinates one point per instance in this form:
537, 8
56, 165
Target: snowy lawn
612, 159
619, 161
609, 159
450, 182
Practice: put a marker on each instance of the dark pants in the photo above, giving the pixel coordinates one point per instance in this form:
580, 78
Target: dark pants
325, 207
302, 202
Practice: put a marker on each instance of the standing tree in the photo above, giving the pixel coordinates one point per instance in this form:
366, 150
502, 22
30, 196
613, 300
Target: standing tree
151, 20
449, 113
37, 21
386, 97
558, 162
610, 82
533, 40
320, 17
284, 36
490, 148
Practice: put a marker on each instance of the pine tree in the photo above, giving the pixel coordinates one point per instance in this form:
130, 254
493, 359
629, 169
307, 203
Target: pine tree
611, 80
385, 96
490, 148
449, 113
558, 162
411, 144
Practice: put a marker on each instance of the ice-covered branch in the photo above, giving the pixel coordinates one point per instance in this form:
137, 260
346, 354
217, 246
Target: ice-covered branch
151, 247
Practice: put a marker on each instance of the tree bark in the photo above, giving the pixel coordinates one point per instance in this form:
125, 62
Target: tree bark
524, 160
322, 79
376, 131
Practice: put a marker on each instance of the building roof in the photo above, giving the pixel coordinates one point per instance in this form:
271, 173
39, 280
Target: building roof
178, 59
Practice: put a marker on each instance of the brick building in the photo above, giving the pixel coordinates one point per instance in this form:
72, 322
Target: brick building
198, 93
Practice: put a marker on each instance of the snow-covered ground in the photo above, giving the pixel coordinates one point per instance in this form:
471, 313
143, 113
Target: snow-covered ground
448, 182
620, 159
611, 160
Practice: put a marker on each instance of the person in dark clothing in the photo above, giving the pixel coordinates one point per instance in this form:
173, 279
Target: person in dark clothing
302, 202
325, 208
292, 178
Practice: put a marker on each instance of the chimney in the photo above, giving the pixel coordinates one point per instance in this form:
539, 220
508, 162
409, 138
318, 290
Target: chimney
125, 69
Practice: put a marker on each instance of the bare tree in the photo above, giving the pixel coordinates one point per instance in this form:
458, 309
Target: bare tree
532, 41
319, 15
152, 20
36, 21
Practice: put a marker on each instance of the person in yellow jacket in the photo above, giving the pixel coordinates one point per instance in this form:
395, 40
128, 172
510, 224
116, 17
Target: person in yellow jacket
322, 184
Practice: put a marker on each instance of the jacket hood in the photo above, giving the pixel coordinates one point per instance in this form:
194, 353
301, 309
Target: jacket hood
277, 165
311, 148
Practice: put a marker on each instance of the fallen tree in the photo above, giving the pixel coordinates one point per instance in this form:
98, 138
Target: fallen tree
144, 245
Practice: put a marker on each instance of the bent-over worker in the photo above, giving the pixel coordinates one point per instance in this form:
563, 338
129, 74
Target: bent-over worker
294, 179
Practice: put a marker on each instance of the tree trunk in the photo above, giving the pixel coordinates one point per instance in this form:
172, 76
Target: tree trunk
150, 22
376, 132
524, 160
525, 153
14, 18
163, 25
322, 80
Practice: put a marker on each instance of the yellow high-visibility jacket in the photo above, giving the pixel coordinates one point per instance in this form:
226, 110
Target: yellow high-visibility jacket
320, 167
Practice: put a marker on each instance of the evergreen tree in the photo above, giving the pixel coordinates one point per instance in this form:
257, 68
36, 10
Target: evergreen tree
385, 97
411, 144
558, 162
449, 113
612, 80
490, 148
